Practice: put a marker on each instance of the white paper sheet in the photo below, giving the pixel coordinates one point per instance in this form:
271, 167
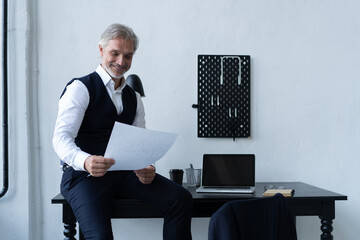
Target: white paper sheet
136, 148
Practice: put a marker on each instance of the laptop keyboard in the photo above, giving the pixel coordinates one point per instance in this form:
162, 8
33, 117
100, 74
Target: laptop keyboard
243, 189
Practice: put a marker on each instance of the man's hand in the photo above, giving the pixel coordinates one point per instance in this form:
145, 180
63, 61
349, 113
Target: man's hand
97, 166
146, 175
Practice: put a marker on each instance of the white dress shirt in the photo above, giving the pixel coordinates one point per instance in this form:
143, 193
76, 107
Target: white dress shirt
72, 108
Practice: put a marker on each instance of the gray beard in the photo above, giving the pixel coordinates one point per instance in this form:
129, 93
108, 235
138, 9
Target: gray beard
113, 75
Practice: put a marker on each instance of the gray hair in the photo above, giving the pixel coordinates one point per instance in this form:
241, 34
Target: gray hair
118, 30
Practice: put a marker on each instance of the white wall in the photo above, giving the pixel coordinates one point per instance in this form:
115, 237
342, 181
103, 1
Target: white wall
304, 95
15, 206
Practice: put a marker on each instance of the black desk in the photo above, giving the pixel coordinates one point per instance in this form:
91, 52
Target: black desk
307, 201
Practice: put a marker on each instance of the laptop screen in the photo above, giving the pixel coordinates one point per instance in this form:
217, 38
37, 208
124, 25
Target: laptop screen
228, 170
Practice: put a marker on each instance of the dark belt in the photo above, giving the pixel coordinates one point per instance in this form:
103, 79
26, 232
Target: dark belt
65, 166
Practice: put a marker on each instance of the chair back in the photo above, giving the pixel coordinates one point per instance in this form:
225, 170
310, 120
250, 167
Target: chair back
253, 219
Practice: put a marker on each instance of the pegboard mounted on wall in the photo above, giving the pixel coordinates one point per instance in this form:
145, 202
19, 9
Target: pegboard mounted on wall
223, 96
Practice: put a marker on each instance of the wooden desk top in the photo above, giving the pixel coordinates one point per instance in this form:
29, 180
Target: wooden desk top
302, 191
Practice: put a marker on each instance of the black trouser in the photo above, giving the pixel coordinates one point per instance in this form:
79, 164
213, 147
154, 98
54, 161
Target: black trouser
91, 198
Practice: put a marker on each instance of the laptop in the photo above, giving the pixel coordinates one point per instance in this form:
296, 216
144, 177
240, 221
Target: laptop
228, 173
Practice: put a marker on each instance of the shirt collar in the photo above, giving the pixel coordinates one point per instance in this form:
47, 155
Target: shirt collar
107, 80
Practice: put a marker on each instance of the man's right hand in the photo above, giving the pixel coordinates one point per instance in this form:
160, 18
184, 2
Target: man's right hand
97, 166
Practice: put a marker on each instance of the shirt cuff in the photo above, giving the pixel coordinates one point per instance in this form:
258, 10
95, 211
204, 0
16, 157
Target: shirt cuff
80, 160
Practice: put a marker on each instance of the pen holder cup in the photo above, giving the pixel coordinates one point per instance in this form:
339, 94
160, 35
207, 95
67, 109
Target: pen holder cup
176, 175
193, 176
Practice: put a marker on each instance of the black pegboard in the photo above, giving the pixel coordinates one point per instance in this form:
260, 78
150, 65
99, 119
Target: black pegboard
223, 96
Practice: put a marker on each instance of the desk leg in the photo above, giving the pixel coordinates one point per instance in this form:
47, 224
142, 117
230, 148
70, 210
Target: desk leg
327, 217
69, 221
326, 228
69, 231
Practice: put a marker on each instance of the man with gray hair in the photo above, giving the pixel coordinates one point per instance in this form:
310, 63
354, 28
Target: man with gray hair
88, 108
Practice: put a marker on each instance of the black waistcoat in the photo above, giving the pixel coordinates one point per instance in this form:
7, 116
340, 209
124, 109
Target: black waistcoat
101, 114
